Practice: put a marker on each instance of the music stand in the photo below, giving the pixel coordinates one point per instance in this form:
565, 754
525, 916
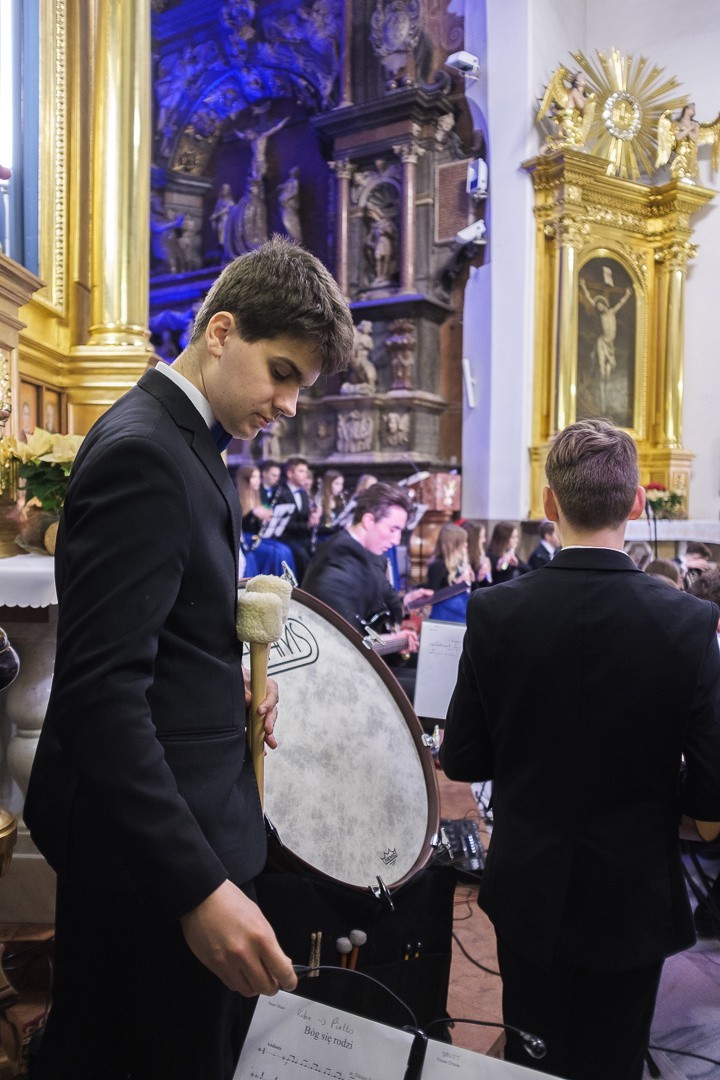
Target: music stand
274, 527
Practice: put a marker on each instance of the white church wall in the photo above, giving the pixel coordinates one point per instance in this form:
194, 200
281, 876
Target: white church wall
683, 36
520, 43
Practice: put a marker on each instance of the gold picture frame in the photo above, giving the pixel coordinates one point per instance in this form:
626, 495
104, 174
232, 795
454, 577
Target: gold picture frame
611, 342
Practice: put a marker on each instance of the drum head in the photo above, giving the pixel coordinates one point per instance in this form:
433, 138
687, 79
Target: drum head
351, 789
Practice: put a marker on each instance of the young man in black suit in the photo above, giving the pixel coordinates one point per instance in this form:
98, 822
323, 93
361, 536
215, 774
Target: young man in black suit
142, 795
269, 480
305, 518
547, 548
583, 742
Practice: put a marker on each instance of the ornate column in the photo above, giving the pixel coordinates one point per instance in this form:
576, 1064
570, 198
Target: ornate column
672, 260
346, 71
343, 169
121, 176
571, 236
409, 154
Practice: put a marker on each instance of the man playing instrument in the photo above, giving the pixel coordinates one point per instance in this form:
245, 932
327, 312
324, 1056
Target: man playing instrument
349, 571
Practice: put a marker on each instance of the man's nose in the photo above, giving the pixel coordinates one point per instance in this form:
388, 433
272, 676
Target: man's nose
286, 402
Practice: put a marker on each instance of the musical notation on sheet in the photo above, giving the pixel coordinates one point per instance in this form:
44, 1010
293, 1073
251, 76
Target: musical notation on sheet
292, 1038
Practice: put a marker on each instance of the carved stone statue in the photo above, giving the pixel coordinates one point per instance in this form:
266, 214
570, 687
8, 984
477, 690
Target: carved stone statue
164, 237
289, 199
682, 137
354, 432
237, 17
362, 373
223, 206
247, 226
258, 145
396, 429
401, 344
189, 241
571, 110
381, 247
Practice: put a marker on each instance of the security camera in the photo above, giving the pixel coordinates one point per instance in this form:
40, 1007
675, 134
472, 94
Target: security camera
471, 234
465, 62
477, 177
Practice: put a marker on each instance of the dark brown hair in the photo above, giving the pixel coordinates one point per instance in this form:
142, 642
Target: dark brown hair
281, 289
377, 500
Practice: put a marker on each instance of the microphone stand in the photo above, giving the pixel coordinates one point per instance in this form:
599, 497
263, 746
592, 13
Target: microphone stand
652, 525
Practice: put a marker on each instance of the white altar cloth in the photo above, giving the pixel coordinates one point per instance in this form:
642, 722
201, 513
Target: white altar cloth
27, 581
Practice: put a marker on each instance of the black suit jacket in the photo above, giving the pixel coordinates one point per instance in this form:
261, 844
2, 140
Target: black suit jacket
351, 581
583, 742
141, 779
297, 529
538, 557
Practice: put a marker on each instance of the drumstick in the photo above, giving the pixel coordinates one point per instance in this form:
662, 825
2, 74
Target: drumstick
259, 621
311, 959
357, 938
318, 943
344, 947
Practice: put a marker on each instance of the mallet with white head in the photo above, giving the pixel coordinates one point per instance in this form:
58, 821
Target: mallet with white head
261, 612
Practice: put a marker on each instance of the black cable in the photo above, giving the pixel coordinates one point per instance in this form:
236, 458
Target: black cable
684, 1053
466, 954
532, 1044
302, 970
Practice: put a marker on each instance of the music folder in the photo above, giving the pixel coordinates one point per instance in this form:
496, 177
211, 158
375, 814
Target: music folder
293, 1038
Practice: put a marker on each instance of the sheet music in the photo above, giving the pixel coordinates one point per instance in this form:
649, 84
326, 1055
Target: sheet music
438, 658
292, 1038
275, 526
445, 1062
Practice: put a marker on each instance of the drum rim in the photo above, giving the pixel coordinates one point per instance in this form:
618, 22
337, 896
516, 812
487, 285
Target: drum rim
415, 728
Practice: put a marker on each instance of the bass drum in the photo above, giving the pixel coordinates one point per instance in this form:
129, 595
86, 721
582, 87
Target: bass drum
351, 792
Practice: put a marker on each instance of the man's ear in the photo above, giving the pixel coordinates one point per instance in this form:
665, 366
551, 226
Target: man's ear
550, 507
220, 325
638, 506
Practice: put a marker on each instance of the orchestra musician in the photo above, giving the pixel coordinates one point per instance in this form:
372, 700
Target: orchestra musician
332, 502
450, 565
349, 571
299, 529
268, 554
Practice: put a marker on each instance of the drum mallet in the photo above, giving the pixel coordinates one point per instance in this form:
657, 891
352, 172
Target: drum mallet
344, 948
357, 938
261, 612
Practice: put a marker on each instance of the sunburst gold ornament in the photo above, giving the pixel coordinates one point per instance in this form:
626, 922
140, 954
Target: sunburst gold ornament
631, 97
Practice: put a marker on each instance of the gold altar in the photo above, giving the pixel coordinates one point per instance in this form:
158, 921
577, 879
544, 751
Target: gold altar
611, 260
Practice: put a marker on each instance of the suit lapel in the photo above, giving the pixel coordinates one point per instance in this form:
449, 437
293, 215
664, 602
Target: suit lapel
200, 441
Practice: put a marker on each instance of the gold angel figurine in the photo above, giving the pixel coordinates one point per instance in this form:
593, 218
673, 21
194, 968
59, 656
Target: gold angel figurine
683, 136
571, 109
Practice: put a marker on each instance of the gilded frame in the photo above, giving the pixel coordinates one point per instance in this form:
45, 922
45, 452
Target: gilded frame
53, 160
610, 371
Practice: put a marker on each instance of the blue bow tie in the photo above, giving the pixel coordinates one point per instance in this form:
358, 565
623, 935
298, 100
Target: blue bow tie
220, 436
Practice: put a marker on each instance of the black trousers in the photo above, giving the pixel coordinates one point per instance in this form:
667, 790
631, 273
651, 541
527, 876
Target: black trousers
596, 1024
131, 1001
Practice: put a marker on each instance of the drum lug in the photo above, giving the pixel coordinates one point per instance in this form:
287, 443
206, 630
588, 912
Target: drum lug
427, 740
381, 892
